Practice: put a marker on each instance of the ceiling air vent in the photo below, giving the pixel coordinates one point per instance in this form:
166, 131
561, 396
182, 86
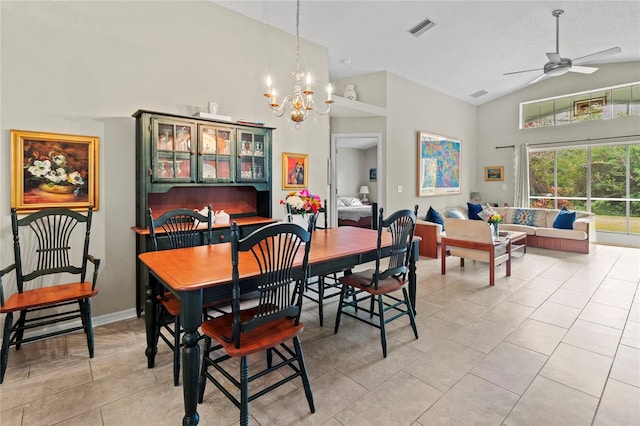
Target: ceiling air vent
423, 26
479, 93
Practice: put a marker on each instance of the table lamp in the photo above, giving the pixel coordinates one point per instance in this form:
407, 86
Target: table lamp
364, 190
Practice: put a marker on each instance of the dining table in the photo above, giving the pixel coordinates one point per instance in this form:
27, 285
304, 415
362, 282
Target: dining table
202, 274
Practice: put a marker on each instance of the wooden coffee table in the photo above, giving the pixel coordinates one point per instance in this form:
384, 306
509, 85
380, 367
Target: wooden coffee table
518, 240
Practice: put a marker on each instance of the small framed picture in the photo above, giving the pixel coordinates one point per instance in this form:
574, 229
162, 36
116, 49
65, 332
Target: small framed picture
494, 173
372, 175
295, 169
53, 170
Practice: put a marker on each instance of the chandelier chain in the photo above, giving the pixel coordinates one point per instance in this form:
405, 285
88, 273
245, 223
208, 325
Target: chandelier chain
301, 101
298, 37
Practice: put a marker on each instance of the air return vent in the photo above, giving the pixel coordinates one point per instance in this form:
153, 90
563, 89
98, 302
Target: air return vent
423, 26
479, 93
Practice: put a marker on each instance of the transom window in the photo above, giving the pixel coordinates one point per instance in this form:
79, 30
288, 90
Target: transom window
600, 104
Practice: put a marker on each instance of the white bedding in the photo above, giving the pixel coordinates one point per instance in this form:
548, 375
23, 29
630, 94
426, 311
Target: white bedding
351, 208
354, 213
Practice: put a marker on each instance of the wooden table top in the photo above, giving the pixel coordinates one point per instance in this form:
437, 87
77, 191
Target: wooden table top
194, 268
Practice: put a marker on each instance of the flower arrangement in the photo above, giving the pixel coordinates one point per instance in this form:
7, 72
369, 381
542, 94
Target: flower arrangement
302, 202
495, 218
54, 170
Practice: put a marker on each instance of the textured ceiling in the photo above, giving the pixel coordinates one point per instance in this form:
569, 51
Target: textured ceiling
472, 45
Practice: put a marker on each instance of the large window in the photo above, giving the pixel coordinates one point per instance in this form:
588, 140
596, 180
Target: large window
601, 179
600, 104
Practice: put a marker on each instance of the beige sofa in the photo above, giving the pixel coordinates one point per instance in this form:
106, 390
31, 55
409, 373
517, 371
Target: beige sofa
540, 234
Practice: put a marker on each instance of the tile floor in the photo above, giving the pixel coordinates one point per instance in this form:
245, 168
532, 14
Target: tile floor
557, 343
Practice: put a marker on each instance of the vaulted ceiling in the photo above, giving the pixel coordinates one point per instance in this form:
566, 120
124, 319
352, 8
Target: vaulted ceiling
471, 46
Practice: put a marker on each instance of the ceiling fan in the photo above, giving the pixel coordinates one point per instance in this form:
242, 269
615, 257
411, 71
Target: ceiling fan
558, 65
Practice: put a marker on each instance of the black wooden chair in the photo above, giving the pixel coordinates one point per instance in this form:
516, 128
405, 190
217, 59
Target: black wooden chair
180, 228
269, 326
48, 245
323, 287
361, 290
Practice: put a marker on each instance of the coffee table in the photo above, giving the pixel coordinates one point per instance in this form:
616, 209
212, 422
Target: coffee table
518, 240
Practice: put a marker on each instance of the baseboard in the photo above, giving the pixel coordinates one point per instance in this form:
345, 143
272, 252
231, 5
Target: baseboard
97, 322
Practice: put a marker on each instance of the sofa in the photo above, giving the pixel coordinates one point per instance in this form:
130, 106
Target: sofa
536, 223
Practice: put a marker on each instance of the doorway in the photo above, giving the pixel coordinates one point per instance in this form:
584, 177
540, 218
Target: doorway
355, 141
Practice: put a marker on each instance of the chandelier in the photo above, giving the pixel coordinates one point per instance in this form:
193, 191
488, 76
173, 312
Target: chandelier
301, 102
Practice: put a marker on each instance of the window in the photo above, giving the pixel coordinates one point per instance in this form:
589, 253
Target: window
603, 179
600, 104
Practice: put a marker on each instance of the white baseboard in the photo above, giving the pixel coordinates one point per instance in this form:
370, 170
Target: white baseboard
97, 322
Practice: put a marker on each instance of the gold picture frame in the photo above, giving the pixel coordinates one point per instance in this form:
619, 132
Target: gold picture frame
295, 170
494, 173
53, 170
587, 106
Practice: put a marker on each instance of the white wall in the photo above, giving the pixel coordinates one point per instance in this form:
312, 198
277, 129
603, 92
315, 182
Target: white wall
85, 67
350, 166
412, 108
498, 123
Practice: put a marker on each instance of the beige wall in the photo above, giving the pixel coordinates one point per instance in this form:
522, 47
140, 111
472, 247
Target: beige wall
85, 67
498, 123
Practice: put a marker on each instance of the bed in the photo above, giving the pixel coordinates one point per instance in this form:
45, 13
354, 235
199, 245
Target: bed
351, 212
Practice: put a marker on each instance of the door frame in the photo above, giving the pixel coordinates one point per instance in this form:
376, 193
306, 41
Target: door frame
336, 140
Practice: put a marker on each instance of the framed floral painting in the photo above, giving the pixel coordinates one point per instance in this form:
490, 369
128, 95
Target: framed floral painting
53, 170
295, 170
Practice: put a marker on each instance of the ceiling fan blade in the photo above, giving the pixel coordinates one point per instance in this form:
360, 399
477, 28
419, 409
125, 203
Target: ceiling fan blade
605, 52
537, 79
554, 57
518, 72
583, 70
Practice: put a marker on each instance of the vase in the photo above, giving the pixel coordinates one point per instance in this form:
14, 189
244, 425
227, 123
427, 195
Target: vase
349, 92
57, 189
496, 230
299, 219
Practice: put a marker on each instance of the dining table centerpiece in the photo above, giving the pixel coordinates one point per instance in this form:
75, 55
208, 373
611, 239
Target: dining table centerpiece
299, 204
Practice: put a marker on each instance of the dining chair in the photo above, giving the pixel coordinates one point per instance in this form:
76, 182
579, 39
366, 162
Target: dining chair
361, 290
175, 229
280, 251
323, 287
48, 246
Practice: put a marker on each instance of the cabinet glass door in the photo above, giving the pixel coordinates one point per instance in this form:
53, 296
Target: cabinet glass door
172, 159
214, 161
252, 155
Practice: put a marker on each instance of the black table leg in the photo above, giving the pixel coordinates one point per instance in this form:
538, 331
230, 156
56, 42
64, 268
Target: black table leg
150, 320
191, 317
412, 275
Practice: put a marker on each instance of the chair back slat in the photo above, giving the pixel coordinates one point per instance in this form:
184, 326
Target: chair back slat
181, 228
277, 249
52, 231
401, 225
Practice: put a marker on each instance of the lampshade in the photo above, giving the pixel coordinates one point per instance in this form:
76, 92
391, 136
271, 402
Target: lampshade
364, 189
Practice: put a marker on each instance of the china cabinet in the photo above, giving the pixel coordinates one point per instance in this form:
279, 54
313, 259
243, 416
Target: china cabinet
189, 162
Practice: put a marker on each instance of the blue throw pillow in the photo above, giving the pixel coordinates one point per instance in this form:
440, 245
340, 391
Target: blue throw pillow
435, 217
474, 209
564, 219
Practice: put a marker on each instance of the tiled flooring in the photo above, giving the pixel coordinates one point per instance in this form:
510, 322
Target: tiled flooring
557, 343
